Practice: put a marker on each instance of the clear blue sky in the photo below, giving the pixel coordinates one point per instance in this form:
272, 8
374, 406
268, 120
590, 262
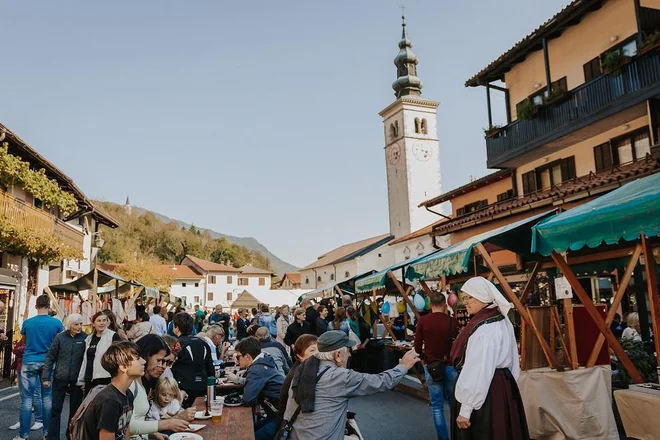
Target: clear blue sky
251, 118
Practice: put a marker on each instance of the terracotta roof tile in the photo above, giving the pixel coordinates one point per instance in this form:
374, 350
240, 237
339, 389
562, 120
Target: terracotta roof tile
209, 266
579, 185
254, 270
468, 187
181, 272
293, 276
347, 251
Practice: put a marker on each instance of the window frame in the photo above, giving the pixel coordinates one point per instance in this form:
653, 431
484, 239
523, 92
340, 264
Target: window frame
212, 279
243, 281
602, 151
631, 137
230, 279
209, 296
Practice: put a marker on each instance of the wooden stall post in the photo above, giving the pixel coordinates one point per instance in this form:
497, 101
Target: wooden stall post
426, 287
554, 318
652, 290
524, 313
570, 332
595, 316
616, 301
530, 283
95, 287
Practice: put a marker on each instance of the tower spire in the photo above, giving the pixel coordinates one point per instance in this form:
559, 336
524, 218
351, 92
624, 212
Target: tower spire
407, 82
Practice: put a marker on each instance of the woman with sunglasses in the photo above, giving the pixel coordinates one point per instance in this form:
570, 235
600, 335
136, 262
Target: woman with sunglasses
155, 352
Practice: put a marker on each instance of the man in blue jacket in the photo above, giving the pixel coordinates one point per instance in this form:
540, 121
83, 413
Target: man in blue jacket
263, 382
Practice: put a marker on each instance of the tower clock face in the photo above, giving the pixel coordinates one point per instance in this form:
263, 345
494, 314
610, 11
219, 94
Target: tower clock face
422, 151
394, 154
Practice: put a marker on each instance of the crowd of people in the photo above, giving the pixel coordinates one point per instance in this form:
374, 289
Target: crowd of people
140, 380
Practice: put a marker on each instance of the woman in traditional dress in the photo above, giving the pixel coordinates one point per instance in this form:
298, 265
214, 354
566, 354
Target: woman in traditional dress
487, 402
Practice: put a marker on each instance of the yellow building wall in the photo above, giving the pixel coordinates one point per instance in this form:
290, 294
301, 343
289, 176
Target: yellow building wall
489, 192
575, 47
583, 152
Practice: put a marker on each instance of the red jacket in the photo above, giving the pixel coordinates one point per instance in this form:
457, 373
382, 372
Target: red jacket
432, 336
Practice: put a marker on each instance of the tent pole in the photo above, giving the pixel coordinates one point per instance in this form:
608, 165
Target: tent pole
652, 290
426, 288
616, 301
528, 287
443, 283
524, 313
53, 300
595, 316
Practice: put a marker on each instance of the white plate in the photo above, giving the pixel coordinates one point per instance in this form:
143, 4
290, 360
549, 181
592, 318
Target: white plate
233, 404
195, 428
186, 435
199, 415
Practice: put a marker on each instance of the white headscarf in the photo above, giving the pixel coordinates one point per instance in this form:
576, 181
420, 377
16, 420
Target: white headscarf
486, 292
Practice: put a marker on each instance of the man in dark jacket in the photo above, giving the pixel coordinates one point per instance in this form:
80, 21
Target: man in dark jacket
221, 318
194, 363
310, 315
274, 349
66, 353
263, 382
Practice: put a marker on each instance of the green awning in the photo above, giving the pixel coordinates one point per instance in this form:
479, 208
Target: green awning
623, 214
456, 258
378, 280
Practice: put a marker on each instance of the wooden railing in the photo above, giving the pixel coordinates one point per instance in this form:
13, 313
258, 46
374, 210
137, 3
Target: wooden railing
599, 95
21, 214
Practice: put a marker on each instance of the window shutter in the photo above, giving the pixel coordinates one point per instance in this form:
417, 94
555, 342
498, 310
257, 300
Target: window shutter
567, 168
460, 212
529, 182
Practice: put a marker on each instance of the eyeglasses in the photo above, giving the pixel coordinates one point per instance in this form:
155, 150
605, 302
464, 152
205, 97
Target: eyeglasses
239, 356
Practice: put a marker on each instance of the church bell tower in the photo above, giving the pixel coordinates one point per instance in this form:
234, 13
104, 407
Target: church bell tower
411, 146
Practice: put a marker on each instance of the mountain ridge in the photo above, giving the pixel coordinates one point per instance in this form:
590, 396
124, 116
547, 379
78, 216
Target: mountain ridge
279, 266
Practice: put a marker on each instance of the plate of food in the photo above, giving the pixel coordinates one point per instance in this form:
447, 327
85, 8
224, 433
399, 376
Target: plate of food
185, 436
202, 415
233, 400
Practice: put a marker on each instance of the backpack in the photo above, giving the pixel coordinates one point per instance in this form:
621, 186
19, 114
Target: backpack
75, 428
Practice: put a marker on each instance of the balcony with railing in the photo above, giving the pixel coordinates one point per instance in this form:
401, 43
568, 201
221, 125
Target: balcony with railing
610, 94
21, 214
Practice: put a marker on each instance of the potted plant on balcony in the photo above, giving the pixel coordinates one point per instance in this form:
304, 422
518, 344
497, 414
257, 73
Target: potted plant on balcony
613, 61
527, 109
556, 96
651, 43
493, 131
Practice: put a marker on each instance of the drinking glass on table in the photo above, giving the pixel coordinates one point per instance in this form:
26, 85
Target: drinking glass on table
216, 409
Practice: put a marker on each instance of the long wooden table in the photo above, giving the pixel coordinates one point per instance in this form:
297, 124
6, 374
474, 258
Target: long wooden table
236, 423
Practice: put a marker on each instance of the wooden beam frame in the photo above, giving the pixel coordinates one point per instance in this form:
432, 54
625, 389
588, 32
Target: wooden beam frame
53, 301
530, 283
595, 316
570, 333
403, 293
554, 322
616, 301
652, 291
524, 313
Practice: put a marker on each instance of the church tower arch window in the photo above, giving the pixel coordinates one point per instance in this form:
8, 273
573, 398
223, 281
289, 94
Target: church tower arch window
424, 127
417, 125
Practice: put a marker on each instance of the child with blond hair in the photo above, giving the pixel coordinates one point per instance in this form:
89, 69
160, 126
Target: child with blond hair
167, 399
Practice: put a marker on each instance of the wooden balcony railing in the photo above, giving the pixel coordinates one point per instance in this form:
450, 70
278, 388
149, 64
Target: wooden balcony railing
597, 99
21, 214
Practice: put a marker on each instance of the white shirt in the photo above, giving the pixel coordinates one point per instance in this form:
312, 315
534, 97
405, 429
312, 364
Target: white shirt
159, 324
631, 333
490, 347
214, 350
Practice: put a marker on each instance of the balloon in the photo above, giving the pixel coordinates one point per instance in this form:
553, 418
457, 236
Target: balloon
400, 307
386, 308
418, 302
453, 299
427, 303
408, 309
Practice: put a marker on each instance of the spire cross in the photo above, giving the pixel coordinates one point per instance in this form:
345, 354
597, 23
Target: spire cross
403, 14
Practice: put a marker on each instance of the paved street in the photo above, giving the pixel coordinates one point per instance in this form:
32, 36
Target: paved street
382, 416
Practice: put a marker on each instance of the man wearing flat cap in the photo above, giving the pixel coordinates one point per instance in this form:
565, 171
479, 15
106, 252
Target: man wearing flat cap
322, 385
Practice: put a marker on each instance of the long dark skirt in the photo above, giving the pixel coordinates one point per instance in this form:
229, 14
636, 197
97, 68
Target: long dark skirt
502, 416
